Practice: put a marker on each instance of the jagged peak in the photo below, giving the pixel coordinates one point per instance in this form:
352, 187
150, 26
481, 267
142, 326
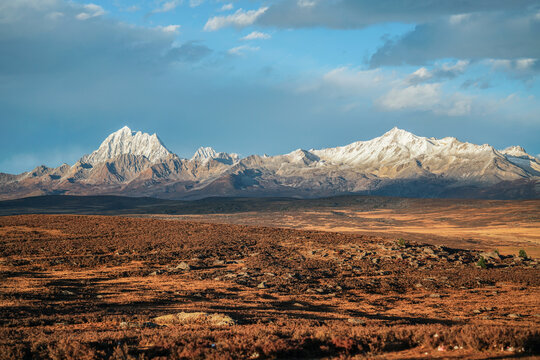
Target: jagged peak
395, 130
204, 152
515, 150
398, 145
125, 141
303, 155
400, 136
207, 153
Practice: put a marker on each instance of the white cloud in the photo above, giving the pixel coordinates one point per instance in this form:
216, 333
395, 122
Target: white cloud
55, 15
425, 97
256, 35
525, 64
132, 8
355, 81
458, 19
389, 91
90, 11
420, 75
169, 28
241, 50
227, 7
525, 68
439, 71
167, 6
240, 18
306, 3
415, 96
459, 67
195, 3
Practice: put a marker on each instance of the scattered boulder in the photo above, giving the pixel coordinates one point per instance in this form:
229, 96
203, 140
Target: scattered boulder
157, 272
491, 255
356, 321
183, 266
183, 318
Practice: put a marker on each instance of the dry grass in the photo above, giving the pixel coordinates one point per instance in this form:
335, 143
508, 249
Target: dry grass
504, 225
111, 287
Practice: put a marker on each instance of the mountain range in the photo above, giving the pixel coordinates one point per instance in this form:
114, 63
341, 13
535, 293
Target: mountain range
398, 163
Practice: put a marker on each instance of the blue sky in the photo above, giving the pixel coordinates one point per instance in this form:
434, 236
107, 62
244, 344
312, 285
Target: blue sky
263, 76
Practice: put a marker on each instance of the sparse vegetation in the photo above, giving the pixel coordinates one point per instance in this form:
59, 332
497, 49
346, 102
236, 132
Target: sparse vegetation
90, 287
482, 263
401, 242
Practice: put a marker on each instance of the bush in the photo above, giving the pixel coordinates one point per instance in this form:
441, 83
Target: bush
482, 263
401, 242
523, 254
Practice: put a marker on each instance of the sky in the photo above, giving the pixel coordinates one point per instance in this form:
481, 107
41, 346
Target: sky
263, 77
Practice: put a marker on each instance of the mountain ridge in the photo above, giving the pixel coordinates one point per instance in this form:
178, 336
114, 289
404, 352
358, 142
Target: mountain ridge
396, 163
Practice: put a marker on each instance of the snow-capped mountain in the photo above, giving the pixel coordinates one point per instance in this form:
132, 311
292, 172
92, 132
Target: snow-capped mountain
397, 146
518, 156
124, 142
206, 153
398, 150
396, 163
516, 151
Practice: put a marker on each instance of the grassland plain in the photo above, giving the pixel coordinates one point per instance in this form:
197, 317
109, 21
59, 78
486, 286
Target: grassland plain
84, 287
507, 226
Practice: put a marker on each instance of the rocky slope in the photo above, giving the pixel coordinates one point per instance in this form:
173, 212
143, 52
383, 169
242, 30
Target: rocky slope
397, 163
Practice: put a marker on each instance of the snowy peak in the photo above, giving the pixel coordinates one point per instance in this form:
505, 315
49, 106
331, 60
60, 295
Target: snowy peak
395, 163
516, 151
127, 142
206, 153
398, 146
303, 156
399, 136
518, 156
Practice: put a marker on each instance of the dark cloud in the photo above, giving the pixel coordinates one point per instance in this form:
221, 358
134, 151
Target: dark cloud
57, 36
344, 14
475, 36
463, 29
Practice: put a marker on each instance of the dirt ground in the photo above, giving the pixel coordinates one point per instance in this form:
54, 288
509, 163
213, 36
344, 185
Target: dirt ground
85, 287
